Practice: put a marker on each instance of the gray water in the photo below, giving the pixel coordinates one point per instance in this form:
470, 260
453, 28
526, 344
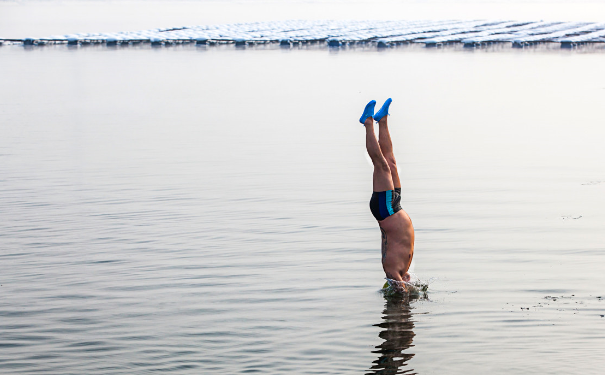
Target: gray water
193, 210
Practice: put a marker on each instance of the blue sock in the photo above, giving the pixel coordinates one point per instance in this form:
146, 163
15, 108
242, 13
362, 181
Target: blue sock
383, 111
368, 111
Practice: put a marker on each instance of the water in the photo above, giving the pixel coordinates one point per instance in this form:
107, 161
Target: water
194, 210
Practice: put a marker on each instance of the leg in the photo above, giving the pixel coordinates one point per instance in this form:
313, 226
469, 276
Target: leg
382, 180
386, 147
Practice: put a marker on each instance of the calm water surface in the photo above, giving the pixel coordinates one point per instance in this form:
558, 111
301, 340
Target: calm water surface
193, 210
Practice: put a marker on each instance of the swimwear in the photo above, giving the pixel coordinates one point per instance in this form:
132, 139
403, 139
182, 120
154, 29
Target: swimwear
385, 203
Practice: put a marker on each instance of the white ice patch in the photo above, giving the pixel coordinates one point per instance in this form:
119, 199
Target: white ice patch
340, 33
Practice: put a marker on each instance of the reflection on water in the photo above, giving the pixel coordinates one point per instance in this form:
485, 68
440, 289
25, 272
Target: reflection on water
398, 333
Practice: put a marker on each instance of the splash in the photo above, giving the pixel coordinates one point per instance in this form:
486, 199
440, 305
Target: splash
414, 288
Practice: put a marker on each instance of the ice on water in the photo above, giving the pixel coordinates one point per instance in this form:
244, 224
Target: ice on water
338, 33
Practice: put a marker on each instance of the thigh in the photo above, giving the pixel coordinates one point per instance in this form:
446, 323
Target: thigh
394, 174
382, 180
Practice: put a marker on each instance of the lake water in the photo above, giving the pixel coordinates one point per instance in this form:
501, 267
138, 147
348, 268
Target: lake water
205, 210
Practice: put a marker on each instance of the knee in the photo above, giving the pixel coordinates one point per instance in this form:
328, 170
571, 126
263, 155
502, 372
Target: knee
382, 165
391, 161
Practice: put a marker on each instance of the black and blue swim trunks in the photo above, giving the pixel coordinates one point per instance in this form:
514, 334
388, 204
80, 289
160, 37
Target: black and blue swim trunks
385, 203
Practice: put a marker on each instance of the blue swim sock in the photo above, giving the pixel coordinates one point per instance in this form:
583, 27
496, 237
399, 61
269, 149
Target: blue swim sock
368, 111
383, 111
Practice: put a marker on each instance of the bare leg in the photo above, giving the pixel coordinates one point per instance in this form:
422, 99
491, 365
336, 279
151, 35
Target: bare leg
382, 180
386, 147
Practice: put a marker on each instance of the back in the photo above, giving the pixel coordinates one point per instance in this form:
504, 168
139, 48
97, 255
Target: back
397, 245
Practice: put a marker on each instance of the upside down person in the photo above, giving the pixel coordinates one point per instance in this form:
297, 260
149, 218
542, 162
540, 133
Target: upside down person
385, 204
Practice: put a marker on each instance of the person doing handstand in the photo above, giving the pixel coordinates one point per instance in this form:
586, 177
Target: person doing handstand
385, 204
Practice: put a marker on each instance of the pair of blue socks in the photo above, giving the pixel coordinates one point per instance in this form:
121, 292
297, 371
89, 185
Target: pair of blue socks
369, 111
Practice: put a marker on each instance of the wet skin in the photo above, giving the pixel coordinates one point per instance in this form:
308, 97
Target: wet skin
397, 245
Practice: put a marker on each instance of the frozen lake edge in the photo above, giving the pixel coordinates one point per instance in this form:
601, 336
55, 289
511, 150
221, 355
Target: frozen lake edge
339, 34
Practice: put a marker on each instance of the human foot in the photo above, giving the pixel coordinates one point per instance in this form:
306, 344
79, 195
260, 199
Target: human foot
368, 112
383, 111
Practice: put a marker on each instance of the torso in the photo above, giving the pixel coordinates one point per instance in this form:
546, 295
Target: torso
397, 245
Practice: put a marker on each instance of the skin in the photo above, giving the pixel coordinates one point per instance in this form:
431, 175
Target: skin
397, 242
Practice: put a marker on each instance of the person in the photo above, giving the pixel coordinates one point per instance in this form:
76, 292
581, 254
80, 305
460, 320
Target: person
395, 224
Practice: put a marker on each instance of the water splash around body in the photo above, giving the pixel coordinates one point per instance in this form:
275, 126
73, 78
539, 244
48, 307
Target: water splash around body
415, 288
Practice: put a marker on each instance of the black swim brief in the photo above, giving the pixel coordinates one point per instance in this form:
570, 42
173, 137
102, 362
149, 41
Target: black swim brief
385, 203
